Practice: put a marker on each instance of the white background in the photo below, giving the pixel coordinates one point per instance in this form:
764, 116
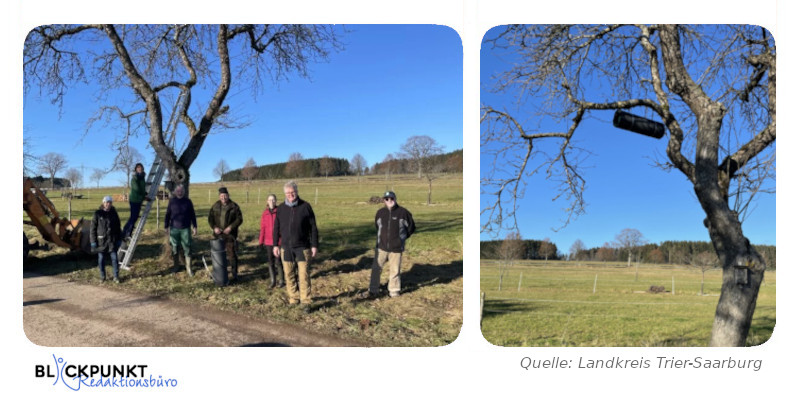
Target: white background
470, 366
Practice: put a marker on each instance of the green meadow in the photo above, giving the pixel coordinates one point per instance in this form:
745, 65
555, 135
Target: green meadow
428, 313
560, 303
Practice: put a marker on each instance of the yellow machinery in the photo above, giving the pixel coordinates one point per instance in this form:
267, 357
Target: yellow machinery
73, 235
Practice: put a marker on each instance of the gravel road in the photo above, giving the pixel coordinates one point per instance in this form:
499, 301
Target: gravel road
57, 312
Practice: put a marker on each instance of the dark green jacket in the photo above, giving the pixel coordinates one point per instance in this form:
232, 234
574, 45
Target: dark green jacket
232, 218
138, 189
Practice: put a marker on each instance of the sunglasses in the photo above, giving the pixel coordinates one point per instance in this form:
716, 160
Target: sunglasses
388, 198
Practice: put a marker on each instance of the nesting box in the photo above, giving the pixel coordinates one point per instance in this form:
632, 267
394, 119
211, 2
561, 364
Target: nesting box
635, 123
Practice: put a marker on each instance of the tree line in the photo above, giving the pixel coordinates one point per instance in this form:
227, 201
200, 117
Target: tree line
297, 167
681, 252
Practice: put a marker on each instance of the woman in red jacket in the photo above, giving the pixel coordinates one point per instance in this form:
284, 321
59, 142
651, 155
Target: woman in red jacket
265, 239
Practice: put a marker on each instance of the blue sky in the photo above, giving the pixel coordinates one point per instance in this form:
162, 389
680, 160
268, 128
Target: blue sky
389, 83
623, 189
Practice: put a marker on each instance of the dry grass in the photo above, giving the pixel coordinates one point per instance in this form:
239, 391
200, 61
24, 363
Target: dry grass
429, 312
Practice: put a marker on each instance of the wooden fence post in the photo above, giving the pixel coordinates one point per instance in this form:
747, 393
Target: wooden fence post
519, 285
594, 289
673, 285
483, 300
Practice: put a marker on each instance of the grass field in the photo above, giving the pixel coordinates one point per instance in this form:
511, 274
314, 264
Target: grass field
429, 312
559, 304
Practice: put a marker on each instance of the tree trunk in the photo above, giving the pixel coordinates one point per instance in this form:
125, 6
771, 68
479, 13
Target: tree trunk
178, 176
737, 301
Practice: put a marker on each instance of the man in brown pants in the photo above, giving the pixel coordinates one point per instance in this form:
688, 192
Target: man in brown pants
295, 229
395, 224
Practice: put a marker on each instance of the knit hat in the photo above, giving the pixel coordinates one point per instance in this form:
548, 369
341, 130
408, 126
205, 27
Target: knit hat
390, 195
107, 199
223, 190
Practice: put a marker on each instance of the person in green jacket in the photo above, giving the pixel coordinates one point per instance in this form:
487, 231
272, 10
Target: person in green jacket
224, 218
136, 198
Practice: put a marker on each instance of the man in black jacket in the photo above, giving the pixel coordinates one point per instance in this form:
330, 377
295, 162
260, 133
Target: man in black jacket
225, 217
105, 236
395, 224
296, 228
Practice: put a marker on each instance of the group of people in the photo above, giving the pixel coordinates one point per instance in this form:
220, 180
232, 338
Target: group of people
288, 234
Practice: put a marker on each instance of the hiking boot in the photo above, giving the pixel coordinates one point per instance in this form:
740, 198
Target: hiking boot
176, 263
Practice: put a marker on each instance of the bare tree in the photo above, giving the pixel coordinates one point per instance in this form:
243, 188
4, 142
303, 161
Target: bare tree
388, 165
326, 166
712, 87
29, 160
295, 165
357, 165
249, 170
165, 63
421, 149
221, 169
125, 161
628, 240
704, 261
576, 249
97, 175
547, 249
51, 164
512, 248
74, 176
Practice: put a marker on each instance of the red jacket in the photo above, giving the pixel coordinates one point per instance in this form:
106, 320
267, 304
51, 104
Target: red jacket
267, 223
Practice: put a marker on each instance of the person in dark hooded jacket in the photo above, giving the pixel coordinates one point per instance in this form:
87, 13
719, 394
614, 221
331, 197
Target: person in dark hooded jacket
394, 225
105, 237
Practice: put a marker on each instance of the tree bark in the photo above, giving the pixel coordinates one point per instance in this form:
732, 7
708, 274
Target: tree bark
737, 301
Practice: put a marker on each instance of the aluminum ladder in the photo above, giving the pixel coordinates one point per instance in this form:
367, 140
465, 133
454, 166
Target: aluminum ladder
152, 183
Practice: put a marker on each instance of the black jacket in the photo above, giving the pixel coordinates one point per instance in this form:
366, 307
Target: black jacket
105, 230
394, 225
296, 226
232, 218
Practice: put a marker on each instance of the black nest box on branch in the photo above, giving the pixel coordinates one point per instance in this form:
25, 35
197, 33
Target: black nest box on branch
635, 123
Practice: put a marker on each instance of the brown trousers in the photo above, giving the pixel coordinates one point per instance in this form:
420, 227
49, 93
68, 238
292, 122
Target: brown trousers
298, 280
382, 258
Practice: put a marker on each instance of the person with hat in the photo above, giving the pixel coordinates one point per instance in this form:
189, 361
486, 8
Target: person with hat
180, 217
105, 236
295, 230
224, 218
395, 225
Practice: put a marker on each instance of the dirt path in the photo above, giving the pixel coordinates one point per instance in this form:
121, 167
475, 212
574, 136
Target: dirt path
61, 313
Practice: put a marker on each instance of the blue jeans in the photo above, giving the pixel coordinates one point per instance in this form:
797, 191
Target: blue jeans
101, 263
135, 209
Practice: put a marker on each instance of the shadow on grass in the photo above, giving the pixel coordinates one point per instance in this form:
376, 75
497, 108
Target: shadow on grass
421, 275
498, 307
427, 227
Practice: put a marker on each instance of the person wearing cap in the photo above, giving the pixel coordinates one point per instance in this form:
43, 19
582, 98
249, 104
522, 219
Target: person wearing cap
105, 236
224, 218
295, 229
395, 225
180, 223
